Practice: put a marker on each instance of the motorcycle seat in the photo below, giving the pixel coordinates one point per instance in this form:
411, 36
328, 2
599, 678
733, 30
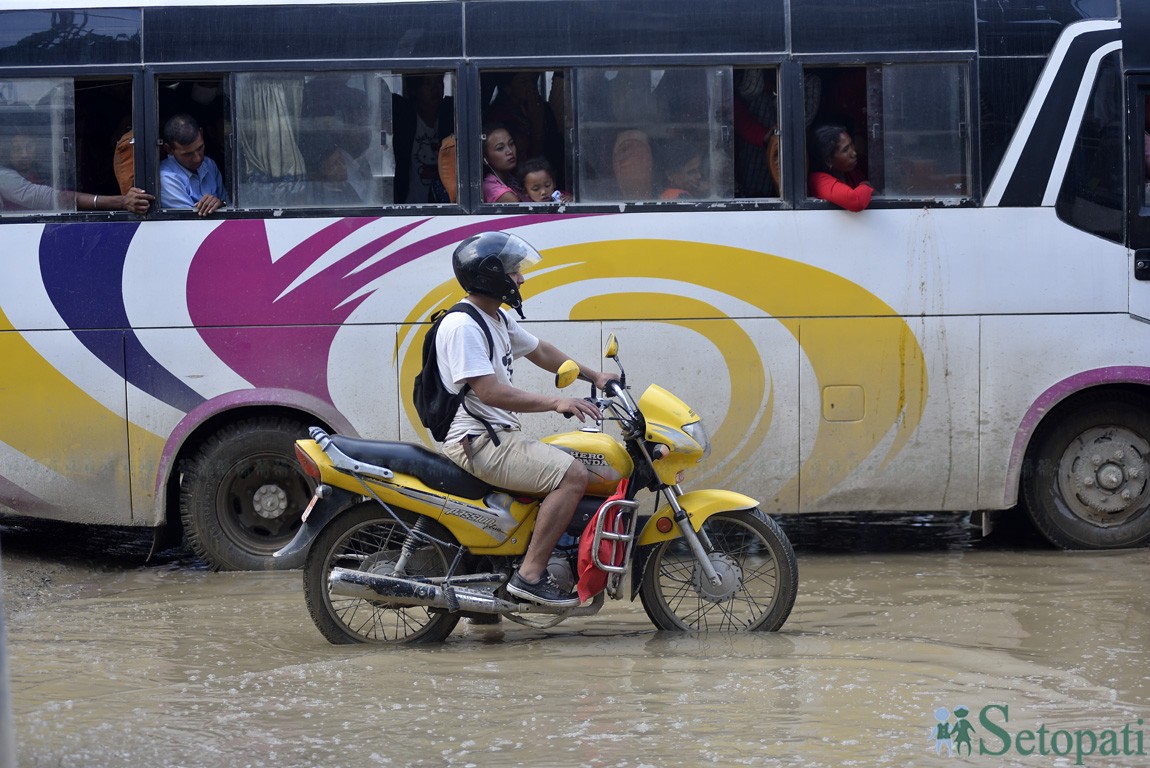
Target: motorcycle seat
435, 470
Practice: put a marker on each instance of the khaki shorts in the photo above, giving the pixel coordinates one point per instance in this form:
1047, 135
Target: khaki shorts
518, 463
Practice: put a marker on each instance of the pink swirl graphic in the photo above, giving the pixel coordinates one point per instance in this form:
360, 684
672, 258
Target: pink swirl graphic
283, 341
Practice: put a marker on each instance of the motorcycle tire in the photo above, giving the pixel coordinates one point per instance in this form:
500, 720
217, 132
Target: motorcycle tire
756, 562
366, 537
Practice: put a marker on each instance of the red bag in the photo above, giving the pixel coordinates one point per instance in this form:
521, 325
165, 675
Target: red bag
593, 579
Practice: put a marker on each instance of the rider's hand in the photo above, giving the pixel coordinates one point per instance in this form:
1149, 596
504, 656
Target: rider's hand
603, 378
580, 409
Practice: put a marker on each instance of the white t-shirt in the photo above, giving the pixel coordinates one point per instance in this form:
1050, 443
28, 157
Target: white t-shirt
462, 350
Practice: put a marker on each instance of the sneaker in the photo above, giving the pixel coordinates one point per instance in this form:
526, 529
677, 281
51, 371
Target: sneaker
545, 592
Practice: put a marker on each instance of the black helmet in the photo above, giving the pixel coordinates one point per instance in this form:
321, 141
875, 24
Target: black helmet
483, 264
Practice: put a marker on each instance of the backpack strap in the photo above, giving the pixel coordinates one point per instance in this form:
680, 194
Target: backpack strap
469, 309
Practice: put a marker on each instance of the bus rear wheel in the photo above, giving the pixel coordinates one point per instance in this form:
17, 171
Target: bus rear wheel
1086, 480
242, 495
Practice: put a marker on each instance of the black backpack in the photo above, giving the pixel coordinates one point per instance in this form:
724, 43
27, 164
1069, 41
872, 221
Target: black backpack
435, 405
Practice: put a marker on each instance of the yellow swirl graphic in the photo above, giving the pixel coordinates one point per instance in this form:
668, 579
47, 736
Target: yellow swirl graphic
820, 309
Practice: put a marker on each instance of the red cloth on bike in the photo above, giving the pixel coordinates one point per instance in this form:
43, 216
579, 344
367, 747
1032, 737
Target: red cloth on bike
593, 579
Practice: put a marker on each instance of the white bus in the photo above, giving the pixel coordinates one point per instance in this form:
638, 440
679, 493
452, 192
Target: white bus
975, 339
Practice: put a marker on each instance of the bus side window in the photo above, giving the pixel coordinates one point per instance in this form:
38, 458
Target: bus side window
36, 145
1091, 196
314, 140
423, 111
103, 115
1146, 152
532, 106
758, 163
203, 98
909, 124
654, 134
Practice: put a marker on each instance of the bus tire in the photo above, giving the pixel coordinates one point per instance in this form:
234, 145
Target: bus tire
1085, 479
242, 495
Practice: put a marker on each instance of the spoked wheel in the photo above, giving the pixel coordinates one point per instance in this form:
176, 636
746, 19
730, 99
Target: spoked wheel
759, 576
367, 538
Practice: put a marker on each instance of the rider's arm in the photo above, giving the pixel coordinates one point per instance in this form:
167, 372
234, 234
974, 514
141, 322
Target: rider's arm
499, 395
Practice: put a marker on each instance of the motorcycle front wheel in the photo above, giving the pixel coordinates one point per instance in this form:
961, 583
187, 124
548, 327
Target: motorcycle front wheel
756, 563
367, 538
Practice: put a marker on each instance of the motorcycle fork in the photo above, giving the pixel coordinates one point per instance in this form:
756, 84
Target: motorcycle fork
698, 541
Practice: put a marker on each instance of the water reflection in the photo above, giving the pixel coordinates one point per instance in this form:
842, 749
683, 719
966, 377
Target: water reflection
170, 664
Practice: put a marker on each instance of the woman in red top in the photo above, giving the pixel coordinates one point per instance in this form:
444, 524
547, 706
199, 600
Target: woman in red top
841, 183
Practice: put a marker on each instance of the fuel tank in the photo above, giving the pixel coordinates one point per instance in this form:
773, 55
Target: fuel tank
604, 456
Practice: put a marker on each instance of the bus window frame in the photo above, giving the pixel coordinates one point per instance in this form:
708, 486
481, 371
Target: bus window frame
127, 72
227, 70
567, 64
966, 60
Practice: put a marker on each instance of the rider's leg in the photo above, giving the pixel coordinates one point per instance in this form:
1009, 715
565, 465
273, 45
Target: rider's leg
554, 515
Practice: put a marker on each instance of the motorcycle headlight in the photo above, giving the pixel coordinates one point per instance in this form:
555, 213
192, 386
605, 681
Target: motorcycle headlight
698, 433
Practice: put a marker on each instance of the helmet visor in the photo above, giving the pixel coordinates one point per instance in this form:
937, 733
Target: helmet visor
517, 255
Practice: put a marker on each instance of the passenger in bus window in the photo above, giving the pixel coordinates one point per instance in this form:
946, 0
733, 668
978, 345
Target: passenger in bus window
683, 170
539, 182
840, 183
633, 165
21, 177
501, 183
423, 118
188, 177
518, 104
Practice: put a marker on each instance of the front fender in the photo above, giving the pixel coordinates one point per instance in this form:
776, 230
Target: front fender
699, 505
321, 514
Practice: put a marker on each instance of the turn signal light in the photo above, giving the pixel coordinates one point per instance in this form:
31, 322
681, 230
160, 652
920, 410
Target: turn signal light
664, 524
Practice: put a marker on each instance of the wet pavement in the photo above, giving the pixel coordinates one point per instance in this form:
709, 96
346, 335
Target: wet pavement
1043, 653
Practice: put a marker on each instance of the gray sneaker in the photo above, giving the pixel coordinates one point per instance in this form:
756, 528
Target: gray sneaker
544, 592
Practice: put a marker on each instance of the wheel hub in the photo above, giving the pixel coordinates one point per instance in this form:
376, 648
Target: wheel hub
730, 575
270, 501
1104, 475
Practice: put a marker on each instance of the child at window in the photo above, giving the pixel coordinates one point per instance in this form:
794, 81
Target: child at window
539, 181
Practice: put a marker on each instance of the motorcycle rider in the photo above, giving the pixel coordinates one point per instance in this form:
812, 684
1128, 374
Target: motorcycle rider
488, 267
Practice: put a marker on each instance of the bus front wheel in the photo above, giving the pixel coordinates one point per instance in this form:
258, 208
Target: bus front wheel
1086, 480
242, 495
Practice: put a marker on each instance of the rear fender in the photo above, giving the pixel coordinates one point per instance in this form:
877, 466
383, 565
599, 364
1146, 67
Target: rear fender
322, 512
699, 505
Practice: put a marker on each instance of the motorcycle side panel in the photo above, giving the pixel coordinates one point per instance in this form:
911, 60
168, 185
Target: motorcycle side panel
699, 505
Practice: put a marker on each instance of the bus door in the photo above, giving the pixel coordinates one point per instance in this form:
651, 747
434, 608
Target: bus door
1136, 66
1138, 224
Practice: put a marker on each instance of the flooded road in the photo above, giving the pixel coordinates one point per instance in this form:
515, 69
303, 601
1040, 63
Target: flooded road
1045, 654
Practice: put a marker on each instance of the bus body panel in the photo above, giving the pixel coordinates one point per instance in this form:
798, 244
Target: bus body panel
251, 305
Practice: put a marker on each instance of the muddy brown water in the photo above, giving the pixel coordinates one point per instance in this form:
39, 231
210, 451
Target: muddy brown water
114, 662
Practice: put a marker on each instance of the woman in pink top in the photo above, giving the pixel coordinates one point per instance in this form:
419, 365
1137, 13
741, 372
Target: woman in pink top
501, 184
841, 183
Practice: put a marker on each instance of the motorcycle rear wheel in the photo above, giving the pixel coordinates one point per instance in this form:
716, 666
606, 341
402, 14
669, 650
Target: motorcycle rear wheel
366, 537
760, 578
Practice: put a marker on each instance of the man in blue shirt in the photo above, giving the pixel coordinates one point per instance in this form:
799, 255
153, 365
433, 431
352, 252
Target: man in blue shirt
188, 178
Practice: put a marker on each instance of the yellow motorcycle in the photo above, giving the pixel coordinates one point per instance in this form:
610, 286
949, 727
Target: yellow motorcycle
403, 543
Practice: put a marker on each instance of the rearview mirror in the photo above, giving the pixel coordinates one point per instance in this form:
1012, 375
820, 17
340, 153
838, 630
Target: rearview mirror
567, 373
611, 351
